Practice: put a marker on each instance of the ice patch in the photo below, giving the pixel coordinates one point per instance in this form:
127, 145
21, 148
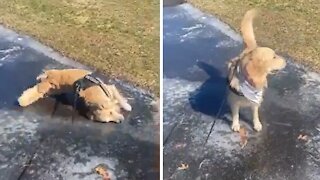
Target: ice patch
212, 21
23, 125
226, 44
226, 143
197, 26
170, 16
13, 49
310, 92
70, 169
27, 41
190, 35
7, 54
313, 148
176, 92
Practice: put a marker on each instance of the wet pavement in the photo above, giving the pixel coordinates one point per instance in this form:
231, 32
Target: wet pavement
197, 120
41, 142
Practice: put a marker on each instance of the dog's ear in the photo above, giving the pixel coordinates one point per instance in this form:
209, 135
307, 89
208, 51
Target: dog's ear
44, 87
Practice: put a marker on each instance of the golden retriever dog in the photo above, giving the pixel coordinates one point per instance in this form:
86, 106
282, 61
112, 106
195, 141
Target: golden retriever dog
102, 107
248, 74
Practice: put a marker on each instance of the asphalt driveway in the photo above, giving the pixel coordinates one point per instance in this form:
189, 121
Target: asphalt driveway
197, 120
41, 142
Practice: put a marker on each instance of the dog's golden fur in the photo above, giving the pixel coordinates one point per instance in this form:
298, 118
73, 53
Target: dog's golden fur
257, 63
101, 107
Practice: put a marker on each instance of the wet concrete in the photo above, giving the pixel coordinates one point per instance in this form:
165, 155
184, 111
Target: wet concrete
197, 120
41, 142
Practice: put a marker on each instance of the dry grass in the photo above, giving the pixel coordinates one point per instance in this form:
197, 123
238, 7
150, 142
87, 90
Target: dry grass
118, 37
290, 26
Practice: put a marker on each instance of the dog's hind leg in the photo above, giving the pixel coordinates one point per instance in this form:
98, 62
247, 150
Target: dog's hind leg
30, 96
256, 122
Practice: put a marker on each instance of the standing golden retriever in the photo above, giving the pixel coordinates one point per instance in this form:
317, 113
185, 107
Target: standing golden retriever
248, 74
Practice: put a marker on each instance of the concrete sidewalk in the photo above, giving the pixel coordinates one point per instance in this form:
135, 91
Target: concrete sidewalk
197, 120
41, 142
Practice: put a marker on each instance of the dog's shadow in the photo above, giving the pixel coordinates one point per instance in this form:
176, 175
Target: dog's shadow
76, 105
211, 97
70, 99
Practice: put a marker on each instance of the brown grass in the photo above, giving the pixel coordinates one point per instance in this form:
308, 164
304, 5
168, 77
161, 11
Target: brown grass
290, 26
118, 37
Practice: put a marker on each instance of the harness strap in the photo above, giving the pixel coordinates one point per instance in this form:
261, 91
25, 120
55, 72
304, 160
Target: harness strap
99, 82
244, 72
78, 85
234, 69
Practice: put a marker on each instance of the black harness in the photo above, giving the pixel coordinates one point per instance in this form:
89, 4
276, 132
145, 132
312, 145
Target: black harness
84, 83
235, 91
234, 72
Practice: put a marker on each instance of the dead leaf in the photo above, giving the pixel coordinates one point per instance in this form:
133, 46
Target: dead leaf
180, 146
103, 172
183, 166
243, 137
303, 137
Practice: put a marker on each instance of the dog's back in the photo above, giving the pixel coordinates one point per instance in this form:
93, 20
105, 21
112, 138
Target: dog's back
64, 76
51, 82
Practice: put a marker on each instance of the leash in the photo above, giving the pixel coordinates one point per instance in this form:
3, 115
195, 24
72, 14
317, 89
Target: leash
75, 99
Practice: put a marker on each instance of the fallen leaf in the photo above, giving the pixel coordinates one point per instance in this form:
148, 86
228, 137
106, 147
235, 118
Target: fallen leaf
183, 166
243, 137
180, 145
303, 137
103, 172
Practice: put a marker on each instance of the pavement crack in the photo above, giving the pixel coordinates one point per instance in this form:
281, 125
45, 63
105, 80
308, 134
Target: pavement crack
26, 166
29, 162
169, 135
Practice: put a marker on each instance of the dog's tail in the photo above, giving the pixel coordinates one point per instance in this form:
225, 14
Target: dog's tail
122, 101
247, 29
29, 96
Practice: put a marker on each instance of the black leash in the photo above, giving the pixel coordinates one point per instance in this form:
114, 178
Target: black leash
75, 98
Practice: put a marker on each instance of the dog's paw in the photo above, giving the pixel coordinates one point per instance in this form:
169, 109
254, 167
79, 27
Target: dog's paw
235, 127
115, 121
126, 106
257, 126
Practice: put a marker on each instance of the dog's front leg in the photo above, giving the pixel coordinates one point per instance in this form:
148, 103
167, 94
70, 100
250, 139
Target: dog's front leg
235, 117
256, 122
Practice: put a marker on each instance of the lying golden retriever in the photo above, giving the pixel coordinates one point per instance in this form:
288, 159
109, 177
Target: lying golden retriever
101, 106
248, 74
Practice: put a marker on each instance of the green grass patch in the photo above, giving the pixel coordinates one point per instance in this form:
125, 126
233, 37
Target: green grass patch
290, 26
118, 37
